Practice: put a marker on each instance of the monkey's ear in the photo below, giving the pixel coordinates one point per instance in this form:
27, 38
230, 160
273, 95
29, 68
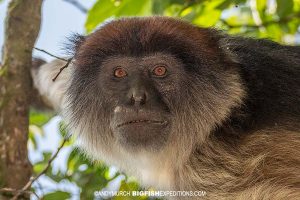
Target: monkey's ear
73, 43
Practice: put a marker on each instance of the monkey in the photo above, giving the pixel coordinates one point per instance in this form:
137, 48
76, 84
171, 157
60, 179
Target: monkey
184, 108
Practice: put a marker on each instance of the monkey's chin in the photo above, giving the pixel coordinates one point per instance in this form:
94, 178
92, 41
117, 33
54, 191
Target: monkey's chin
142, 135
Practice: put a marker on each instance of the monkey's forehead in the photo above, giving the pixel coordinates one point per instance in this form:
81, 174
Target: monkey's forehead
150, 60
147, 35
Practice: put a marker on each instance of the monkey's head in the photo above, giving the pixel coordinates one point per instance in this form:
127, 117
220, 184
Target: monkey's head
150, 84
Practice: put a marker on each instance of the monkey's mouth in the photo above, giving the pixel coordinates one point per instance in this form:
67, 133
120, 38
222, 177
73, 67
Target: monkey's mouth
142, 121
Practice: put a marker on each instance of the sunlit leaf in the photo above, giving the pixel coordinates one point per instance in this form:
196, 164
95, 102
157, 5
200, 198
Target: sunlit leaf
173, 10
274, 32
158, 6
293, 26
101, 10
209, 15
225, 4
39, 118
57, 195
284, 7
177, 1
31, 138
135, 8
261, 6
34, 129
239, 1
57, 177
39, 167
129, 187
104, 9
63, 130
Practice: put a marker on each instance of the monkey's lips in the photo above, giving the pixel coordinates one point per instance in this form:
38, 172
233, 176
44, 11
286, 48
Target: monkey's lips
142, 122
143, 130
142, 133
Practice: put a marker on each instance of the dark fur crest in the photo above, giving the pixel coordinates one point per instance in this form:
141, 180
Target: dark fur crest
144, 36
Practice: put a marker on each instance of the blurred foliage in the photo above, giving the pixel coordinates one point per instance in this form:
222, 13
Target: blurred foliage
278, 20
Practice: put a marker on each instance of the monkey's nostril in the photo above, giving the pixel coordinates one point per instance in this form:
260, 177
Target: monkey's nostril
138, 99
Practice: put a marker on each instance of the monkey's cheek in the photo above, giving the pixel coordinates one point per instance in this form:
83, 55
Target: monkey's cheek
145, 136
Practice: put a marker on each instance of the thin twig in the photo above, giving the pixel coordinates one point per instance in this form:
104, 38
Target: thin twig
68, 61
50, 54
40, 188
62, 68
36, 195
77, 5
33, 179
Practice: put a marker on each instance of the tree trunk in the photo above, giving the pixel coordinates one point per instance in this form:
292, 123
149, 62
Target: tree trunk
21, 30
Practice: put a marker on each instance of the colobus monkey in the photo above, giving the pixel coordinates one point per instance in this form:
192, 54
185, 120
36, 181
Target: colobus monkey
184, 108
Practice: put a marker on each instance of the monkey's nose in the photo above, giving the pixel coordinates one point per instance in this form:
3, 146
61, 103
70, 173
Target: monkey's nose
138, 98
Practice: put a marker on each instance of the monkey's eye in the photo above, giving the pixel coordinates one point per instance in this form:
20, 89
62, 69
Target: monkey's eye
160, 71
120, 72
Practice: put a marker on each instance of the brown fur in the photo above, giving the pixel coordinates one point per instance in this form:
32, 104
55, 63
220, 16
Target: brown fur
265, 165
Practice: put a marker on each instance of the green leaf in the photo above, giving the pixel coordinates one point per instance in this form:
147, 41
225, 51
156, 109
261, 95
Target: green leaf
135, 8
47, 156
39, 167
39, 118
274, 32
209, 15
57, 195
59, 176
239, 1
225, 4
261, 7
101, 10
105, 9
173, 10
159, 6
31, 137
63, 129
177, 1
284, 7
293, 26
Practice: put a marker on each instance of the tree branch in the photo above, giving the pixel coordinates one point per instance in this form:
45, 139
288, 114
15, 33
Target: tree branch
33, 179
11, 191
21, 30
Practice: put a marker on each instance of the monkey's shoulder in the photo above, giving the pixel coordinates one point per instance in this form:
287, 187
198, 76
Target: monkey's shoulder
250, 49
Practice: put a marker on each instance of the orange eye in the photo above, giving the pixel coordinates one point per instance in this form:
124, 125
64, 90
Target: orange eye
159, 71
120, 73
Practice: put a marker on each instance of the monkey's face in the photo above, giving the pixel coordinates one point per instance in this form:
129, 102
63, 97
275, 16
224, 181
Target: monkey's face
140, 90
150, 83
